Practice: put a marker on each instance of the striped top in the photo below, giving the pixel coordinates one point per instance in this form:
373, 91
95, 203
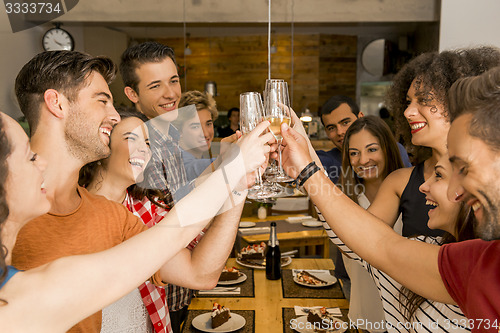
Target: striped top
430, 317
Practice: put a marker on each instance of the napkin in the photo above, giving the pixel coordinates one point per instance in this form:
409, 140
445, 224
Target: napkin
311, 271
255, 231
221, 291
333, 311
299, 219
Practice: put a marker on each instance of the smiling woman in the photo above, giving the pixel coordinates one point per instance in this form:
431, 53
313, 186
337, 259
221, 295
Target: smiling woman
115, 177
370, 153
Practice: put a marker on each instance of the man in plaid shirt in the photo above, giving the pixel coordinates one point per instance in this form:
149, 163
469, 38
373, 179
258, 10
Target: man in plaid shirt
149, 72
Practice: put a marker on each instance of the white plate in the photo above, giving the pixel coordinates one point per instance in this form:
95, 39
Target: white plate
240, 279
247, 224
285, 261
203, 322
328, 278
312, 223
301, 325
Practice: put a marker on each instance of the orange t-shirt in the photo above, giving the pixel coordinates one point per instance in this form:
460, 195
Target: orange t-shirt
96, 225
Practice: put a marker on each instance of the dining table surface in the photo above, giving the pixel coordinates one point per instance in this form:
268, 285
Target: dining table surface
268, 301
289, 234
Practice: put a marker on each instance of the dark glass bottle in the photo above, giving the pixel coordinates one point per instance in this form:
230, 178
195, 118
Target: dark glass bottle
273, 256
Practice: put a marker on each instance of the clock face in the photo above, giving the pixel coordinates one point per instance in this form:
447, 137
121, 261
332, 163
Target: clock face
57, 39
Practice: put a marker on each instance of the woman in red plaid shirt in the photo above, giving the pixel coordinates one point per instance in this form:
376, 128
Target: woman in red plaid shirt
145, 308
67, 290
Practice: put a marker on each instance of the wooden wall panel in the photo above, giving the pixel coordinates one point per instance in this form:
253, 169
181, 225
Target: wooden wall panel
323, 65
337, 74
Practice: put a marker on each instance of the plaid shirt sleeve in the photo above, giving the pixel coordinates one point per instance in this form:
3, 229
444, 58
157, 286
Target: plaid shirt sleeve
166, 171
179, 297
154, 297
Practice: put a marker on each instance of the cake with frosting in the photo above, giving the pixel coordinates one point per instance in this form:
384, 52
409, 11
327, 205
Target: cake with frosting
220, 315
255, 251
229, 274
321, 320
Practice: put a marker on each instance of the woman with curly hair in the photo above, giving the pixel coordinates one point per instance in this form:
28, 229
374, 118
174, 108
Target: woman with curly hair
45, 299
418, 99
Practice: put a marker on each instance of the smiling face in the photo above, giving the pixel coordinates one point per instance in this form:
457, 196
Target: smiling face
129, 150
443, 213
90, 119
337, 123
366, 156
429, 126
475, 179
24, 185
198, 132
159, 89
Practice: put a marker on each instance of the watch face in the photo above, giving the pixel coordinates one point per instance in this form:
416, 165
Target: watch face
57, 39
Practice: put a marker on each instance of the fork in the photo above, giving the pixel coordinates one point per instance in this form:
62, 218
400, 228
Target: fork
225, 288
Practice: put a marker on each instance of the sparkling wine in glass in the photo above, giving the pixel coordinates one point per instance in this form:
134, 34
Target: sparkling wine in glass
277, 112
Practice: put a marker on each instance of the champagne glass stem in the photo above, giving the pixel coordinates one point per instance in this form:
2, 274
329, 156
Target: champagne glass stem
280, 166
258, 179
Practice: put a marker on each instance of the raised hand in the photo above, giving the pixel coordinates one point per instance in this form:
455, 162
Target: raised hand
254, 146
295, 153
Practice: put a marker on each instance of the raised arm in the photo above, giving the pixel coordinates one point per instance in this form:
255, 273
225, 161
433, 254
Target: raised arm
386, 203
55, 296
412, 263
200, 268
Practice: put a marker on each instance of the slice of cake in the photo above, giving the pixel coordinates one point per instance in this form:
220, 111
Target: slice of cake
229, 274
220, 315
320, 320
255, 251
307, 278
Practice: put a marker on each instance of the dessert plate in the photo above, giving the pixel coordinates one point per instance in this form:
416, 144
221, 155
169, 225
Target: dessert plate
203, 323
247, 224
261, 264
328, 278
312, 223
301, 325
240, 279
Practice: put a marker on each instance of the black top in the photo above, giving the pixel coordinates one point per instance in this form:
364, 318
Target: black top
413, 207
224, 132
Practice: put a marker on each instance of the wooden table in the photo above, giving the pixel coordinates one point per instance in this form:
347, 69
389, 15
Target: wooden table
301, 239
269, 301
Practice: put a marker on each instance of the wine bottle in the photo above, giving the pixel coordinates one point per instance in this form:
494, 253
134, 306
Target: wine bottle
273, 256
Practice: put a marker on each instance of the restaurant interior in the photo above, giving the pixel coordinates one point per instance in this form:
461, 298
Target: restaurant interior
320, 47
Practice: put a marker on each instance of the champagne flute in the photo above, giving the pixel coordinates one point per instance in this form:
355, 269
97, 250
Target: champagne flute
251, 114
272, 168
277, 112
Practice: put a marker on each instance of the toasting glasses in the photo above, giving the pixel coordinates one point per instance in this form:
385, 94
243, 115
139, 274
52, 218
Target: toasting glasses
277, 112
251, 114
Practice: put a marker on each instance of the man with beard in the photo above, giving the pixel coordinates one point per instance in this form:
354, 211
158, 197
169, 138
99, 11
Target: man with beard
470, 269
463, 273
66, 100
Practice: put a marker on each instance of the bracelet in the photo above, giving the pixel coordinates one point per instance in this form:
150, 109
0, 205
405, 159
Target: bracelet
306, 173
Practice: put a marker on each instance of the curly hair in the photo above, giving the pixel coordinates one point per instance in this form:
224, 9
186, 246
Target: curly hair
5, 150
435, 73
91, 171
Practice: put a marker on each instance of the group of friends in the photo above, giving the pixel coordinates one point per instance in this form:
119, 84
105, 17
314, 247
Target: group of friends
123, 211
